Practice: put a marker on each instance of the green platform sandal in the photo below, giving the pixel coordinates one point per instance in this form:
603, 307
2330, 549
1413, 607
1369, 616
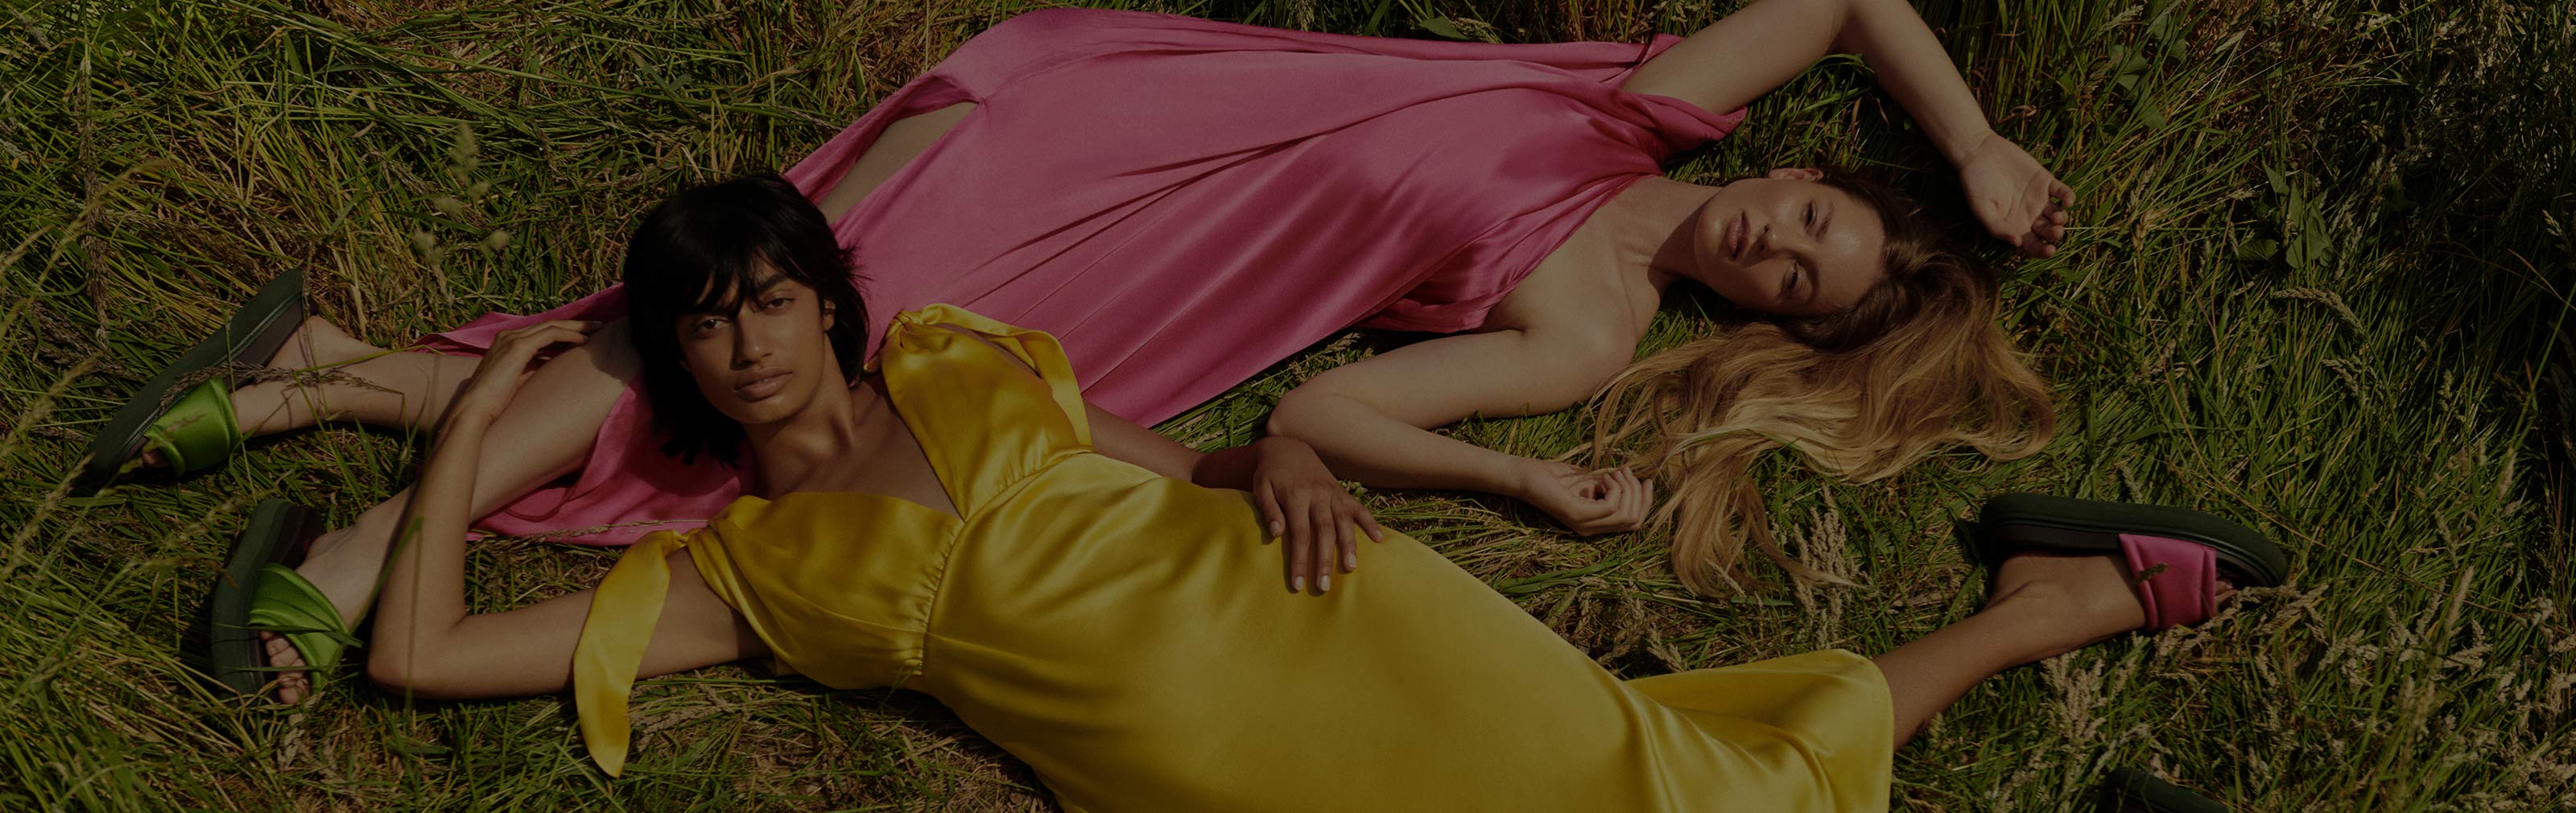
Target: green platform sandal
196, 430
261, 592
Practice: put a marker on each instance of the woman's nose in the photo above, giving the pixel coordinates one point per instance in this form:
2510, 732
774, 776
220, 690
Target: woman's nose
1776, 242
750, 349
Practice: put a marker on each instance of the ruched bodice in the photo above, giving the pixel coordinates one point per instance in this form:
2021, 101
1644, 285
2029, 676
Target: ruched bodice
1126, 635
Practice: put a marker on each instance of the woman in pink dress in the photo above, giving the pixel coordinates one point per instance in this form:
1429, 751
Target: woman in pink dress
1184, 203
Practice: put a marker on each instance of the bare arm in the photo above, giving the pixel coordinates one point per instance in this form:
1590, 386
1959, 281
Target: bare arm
1761, 47
425, 641
1371, 420
1756, 50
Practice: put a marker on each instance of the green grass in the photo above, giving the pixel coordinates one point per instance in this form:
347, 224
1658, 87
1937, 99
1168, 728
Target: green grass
2320, 285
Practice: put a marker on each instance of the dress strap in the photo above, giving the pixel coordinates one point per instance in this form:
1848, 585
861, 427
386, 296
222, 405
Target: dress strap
1035, 348
622, 612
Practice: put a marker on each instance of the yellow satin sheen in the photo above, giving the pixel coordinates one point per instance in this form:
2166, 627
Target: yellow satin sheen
1127, 636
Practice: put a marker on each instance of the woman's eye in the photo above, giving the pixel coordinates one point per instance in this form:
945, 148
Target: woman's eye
1811, 215
706, 324
780, 302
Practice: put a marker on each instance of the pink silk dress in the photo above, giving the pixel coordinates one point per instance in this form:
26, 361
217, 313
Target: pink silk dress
1184, 203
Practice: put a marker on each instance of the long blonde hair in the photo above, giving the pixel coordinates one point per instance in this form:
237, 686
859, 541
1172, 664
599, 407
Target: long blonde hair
1917, 365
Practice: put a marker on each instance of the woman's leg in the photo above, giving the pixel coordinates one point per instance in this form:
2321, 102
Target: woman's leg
2043, 605
388, 388
411, 389
546, 433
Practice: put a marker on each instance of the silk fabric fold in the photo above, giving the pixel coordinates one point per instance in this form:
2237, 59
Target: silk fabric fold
1184, 203
1126, 635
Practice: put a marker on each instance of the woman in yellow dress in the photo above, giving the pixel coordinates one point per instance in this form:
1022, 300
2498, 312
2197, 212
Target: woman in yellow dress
1098, 601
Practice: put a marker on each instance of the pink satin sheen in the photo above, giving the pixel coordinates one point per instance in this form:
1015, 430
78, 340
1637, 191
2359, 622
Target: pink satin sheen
1184, 203
2184, 589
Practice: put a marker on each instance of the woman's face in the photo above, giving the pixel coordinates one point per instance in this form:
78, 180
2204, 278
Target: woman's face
1786, 244
761, 360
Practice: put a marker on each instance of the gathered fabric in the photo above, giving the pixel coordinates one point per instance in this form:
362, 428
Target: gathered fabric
1126, 635
1184, 203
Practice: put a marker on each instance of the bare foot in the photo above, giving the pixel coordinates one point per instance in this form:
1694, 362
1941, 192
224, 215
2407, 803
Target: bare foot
291, 687
2085, 599
263, 408
346, 574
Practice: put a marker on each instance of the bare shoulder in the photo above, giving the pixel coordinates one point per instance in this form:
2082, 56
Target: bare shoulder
1571, 309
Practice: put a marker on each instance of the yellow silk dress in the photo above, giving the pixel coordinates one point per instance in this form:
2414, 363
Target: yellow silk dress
1127, 635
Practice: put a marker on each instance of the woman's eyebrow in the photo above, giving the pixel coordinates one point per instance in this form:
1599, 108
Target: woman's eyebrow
759, 287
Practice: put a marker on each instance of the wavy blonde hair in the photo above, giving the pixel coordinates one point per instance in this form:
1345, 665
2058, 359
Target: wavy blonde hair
1915, 366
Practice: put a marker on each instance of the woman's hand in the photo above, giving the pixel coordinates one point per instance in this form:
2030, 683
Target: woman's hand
2017, 199
507, 365
1586, 502
1310, 510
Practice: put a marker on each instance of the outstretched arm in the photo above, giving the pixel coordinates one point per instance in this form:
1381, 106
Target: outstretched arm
1756, 50
425, 641
1371, 420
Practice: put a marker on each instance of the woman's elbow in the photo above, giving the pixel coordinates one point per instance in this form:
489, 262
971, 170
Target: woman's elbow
399, 673
392, 672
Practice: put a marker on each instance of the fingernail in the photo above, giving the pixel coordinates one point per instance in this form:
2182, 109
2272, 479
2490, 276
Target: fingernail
1324, 583
1350, 560
1274, 528
1297, 584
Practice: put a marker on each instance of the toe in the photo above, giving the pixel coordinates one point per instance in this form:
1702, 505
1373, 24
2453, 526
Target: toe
291, 686
281, 652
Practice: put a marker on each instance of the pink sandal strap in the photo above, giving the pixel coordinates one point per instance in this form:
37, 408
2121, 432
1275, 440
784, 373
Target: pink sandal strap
2183, 589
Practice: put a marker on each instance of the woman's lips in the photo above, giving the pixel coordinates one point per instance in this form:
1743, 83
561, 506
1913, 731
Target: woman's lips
763, 386
1736, 237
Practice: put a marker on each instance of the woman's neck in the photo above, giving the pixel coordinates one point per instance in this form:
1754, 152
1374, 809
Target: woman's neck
1647, 229
835, 426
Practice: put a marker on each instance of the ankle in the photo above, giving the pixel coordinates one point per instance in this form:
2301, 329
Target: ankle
319, 343
2037, 621
328, 547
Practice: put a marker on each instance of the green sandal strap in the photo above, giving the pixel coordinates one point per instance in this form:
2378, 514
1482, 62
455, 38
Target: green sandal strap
287, 604
198, 431
251, 337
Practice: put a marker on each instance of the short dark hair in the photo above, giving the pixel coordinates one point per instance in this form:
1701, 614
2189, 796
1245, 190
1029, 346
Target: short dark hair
702, 246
